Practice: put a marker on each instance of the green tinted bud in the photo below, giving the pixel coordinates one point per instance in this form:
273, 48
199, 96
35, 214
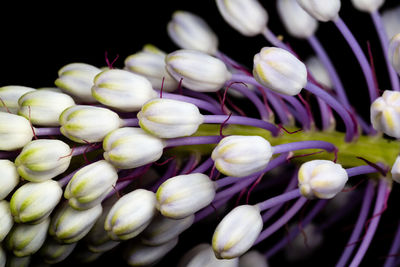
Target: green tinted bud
253, 258
53, 252
13, 261
15, 131
9, 96
9, 177
202, 255
6, 219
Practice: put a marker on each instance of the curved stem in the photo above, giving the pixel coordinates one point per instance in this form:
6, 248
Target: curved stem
394, 249
271, 37
132, 122
167, 174
269, 203
47, 131
365, 169
312, 144
192, 140
204, 166
199, 103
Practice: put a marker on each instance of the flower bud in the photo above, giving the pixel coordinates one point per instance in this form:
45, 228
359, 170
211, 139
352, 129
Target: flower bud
150, 63
385, 115
391, 21
14, 261
141, 255
198, 70
189, 31
15, 131
280, 71
168, 118
395, 171
130, 215
253, 258
321, 10
184, 195
128, 148
247, 17
53, 252
69, 225
318, 71
300, 248
77, 79
367, 5
296, 20
203, 255
91, 124
240, 156
122, 90
394, 52
3, 257
26, 239
237, 232
9, 177
43, 107
321, 178
163, 229
6, 219
43, 159
9, 96
33, 202
90, 185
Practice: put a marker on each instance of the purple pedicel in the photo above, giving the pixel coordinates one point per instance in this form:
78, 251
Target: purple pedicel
312, 144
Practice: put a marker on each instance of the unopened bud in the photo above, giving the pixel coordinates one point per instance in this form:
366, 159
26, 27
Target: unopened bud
15, 131
318, 71
150, 63
84, 124
237, 232
367, 5
43, 159
33, 202
6, 219
240, 156
280, 71
394, 52
395, 171
321, 10
385, 113
247, 17
168, 118
303, 245
184, 195
253, 258
203, 255
90, 185
321, 178
43, 107
128, 148
77, 79
189, 31
3, 257
53, 252
391, 21
9, 96
198, 70
9, 177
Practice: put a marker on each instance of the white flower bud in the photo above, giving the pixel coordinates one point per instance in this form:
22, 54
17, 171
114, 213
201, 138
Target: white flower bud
189, 31
321, 178
318, 71
300, 248
43, 159
6, 219
9, 177
14, 261
91, 124
184, 195
90, 185
9, 96
163, 229
237, 232
391, 21
122, 90
33, 202
168, 118
198, 70
240, 156
128, 148
43, 107
394, 52
321, 10
26, 239
141, 255
77, 79
150, 63
15, 131
246, 16
203, 255
69, 225
296, 20
253, 258
280, 71
395, 171
130, 215
3, 257
367, 5
53, 252
385, 113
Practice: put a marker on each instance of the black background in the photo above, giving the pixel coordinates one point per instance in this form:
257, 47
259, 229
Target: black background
38, 39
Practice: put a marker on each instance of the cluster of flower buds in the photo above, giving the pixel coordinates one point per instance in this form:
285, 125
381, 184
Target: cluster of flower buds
80, 163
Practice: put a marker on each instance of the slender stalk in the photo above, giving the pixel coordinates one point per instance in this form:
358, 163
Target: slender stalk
192, 140
271, 37
204, 166
131, 122
269, 203
199, 103
394, 249
365, 169
313, 144
172, 166
47, 131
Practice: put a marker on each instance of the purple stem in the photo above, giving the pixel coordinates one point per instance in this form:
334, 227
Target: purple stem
83, 149
9, 154
327, 118
63, 181
271, 37
394, 249
364, 169
190, 164
279, 106
47, 131
376, 18
132, 122
351, 128
362, 217
192, 140
359, 54
199, 103
281, 221
269, 203
168, 174
210, 209
312, 144
204, 166
219, 119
